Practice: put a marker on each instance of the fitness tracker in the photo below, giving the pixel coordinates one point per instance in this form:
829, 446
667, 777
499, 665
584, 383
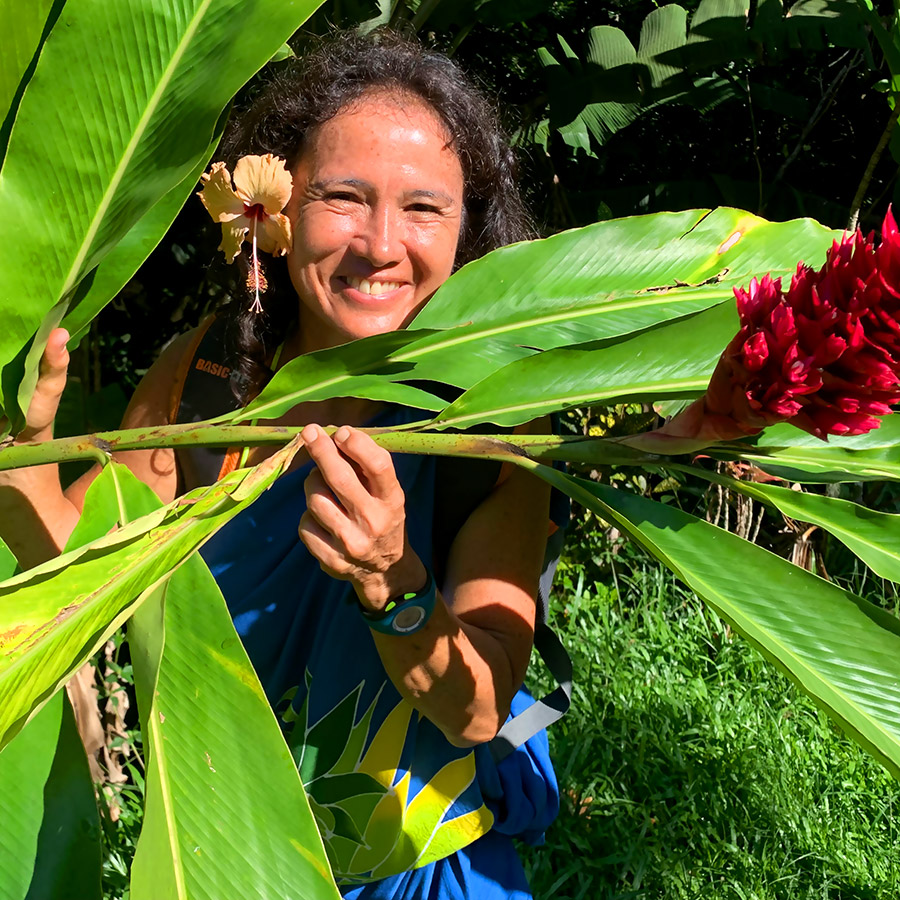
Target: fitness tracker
405, 614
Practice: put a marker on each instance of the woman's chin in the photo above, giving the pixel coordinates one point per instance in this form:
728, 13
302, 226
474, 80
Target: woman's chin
320, 335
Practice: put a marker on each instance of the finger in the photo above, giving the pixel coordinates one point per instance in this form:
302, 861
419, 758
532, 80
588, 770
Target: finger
338, 473
51, 382
321, 545
323, 505
374, 462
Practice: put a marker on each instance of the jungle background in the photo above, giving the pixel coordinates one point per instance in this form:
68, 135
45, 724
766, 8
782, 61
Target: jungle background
690, 768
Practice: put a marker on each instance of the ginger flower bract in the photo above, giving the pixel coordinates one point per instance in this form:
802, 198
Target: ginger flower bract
250, 209
824, 355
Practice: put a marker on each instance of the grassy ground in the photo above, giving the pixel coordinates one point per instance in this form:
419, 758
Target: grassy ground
690, 768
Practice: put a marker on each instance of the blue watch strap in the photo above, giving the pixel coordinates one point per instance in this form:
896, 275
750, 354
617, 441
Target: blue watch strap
405, 614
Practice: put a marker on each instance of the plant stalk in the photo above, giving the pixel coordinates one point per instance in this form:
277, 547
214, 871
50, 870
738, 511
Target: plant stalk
503, 447
870, 168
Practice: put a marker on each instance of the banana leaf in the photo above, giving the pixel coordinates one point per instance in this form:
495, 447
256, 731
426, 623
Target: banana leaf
26, 28
151, 79
200, 701
218, 763
50, 829
54, 616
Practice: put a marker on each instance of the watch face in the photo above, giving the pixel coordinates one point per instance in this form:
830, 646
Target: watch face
408, 619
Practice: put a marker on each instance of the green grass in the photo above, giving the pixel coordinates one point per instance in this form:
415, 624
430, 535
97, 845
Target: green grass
690, 768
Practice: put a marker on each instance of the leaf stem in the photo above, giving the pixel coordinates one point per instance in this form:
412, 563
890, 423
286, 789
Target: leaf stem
507, 447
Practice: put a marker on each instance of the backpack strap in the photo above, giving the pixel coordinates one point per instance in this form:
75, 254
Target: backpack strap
203, 390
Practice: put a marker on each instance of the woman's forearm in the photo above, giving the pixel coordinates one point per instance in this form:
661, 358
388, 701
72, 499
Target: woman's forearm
36, 518
460, 676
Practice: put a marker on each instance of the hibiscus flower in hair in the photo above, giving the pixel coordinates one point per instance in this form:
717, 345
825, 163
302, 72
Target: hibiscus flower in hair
248, 205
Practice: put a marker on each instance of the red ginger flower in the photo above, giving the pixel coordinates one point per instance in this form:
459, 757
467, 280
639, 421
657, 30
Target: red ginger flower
824, 355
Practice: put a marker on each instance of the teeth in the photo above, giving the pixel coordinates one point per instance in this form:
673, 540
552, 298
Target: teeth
371, 287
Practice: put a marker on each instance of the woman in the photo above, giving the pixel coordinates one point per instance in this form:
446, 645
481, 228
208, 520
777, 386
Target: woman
400, 174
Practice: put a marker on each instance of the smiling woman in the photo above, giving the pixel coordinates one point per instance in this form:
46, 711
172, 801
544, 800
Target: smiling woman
387, 605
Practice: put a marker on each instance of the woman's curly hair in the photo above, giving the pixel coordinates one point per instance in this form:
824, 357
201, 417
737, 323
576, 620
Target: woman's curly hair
309, 91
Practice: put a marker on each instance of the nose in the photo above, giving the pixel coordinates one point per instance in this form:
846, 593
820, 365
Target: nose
380, 239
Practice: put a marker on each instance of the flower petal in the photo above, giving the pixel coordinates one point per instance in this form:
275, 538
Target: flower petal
263, 180
217, 195
273, 234
233, 235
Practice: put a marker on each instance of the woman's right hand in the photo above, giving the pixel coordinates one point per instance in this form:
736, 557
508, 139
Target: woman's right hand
51, 381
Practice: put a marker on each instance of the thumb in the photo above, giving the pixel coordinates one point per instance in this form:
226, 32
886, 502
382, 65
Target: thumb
50, 384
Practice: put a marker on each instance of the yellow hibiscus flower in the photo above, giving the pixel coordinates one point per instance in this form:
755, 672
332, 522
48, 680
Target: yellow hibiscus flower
251, 209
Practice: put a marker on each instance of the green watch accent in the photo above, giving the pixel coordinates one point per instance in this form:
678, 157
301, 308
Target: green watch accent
406, 614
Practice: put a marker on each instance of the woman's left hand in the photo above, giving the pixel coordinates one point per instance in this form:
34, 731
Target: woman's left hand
355, 519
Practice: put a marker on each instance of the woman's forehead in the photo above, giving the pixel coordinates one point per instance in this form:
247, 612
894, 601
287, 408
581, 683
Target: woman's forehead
379, 105
381, 132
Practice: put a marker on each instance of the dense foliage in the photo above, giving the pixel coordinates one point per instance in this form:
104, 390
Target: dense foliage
620, 111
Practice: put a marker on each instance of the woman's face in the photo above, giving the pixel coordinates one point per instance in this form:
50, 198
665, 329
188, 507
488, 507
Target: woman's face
376, 210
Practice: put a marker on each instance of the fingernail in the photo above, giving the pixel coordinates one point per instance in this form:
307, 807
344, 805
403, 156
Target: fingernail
309, 434
342, 434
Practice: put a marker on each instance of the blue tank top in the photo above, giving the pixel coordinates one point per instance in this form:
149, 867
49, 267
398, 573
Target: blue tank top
388, 791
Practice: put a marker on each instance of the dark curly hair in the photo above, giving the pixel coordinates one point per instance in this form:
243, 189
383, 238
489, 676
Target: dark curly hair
306, 93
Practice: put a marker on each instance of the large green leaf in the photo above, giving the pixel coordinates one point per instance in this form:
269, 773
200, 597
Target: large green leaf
598, 282
53, 617
226, 813
673, 360
841, 650
568, 289
50, 829
25, 26
151, 78
793, 454
117, 267
199, 698
24, 768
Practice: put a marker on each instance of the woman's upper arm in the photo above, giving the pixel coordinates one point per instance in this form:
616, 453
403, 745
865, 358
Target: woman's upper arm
149, 406
495, 563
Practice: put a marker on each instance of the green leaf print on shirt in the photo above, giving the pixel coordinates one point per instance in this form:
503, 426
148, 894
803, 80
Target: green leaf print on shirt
360, 796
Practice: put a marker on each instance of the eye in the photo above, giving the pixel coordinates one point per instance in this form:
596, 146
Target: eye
425, 208
341, 197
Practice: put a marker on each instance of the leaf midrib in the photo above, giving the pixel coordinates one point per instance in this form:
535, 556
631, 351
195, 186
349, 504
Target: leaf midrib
131, 147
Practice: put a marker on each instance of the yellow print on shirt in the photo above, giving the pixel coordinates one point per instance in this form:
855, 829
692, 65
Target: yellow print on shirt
360, 796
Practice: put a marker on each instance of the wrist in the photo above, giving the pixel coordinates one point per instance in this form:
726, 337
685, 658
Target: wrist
407, 577
404, 614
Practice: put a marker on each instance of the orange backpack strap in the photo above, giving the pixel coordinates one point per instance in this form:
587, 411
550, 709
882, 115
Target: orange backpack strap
203, 390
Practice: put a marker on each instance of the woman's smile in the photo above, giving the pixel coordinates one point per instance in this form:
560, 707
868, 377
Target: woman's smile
377, 208
372, 287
